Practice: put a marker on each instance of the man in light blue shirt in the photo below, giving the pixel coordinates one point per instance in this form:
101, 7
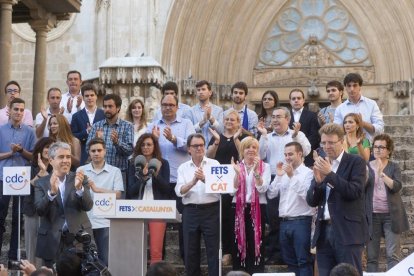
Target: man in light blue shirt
205, 114
372, 121
248, 117
102, 178
16, 147
171, 88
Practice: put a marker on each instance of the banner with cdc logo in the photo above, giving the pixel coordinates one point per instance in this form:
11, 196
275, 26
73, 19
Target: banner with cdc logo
16, 180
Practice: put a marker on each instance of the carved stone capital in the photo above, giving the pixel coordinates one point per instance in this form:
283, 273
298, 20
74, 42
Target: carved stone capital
43, 25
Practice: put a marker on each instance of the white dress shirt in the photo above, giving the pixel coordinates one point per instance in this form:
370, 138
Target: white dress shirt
293, 192
335, 165
64, 104
297, 114
197, 194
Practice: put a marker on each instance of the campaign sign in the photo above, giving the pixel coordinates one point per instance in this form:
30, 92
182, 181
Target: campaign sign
104, 204
146, 209
403, 268
16, 180
219, 179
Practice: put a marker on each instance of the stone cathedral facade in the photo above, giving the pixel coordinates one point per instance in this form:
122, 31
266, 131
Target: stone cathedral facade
131, 47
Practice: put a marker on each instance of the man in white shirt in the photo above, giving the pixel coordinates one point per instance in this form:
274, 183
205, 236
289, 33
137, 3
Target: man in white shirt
371, 116
272, 152
201, 210
291, 183
205, 114
54, 96
72, 101
102, 178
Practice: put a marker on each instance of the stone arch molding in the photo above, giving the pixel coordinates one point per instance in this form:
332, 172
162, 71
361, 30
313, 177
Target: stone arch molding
309, 43
26, 32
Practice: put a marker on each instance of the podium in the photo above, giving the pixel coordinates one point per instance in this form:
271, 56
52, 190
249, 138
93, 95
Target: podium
128, 230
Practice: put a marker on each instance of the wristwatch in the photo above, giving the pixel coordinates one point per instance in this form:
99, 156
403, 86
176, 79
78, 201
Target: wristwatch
256, 175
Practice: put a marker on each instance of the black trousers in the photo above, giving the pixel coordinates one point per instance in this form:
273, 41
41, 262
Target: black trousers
201, 220
250, 262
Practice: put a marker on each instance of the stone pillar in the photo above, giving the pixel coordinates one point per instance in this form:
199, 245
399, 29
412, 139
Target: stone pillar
40, 27
5, 46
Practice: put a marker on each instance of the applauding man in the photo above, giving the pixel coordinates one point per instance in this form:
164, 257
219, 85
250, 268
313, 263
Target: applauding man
62, 200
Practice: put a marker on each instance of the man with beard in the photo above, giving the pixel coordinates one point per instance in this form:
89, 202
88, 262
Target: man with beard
248, 117
118, 134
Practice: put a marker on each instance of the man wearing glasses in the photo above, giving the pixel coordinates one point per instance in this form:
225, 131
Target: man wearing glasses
12, 91
172, 132
201, 210
338, 191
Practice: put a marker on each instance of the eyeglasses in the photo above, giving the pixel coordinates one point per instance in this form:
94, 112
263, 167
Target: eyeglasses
168, 105
379, 148
328, 143
196, 146
147, 145
12, 91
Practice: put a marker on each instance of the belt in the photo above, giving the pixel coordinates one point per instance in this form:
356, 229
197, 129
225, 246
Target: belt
294, 218
202, 206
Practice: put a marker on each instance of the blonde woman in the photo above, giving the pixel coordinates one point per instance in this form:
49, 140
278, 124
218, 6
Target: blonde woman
137, 115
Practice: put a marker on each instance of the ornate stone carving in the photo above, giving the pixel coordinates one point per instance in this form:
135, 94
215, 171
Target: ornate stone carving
400, 89
327, 21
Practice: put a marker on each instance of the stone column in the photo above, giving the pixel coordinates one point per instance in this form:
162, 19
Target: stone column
5, 46
40, 27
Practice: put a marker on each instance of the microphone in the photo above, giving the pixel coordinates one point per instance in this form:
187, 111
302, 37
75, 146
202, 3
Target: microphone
153, 166
140, 162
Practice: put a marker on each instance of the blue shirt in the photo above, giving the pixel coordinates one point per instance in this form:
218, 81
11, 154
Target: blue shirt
175, 154
196, 114
369, 110
116, 155
23, 135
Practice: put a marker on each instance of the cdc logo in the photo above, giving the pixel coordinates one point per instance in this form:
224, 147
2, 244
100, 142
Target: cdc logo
104, 204
16, 181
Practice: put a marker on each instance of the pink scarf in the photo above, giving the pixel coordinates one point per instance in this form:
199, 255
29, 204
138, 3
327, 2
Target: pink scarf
239, 228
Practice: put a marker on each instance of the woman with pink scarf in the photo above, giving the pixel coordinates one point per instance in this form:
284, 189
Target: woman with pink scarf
251, 182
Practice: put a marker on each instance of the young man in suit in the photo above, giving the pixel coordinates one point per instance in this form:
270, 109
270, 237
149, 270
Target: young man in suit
62, 200
305, 120
83, 120
338, 191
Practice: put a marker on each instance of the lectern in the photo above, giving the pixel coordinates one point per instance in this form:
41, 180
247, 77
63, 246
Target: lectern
128, 230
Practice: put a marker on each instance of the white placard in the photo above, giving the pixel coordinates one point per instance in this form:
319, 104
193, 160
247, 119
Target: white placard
104, 204
403, 268
146, 209
219, 179
16, 180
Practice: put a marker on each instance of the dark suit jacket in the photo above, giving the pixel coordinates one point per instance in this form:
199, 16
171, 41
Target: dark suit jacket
399, 220
346, 201
53, 214
78, 126
161, 187
310, 127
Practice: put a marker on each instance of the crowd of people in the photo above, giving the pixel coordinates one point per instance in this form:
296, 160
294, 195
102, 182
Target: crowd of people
321, 181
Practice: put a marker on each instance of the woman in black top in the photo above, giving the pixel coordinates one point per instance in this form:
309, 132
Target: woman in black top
150, 188
223, 147
40, 167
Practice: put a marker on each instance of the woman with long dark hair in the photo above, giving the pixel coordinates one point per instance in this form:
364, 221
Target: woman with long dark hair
155, 187
355, 141
270, 100
40, 168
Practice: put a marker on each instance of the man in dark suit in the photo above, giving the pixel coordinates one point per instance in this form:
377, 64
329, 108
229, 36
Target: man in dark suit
61, 199
83, 120
341, 225
305, 121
